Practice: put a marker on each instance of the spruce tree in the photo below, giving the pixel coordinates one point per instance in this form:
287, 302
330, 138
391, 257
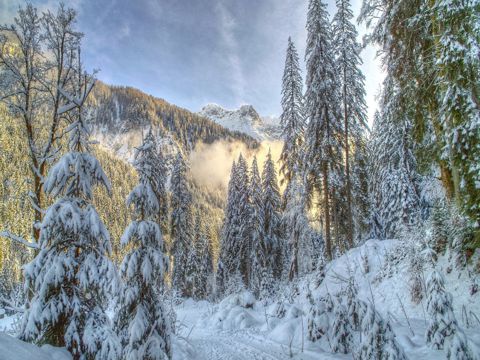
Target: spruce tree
273, 237
342, 332
319, 316
378, 339
292, 118
395, 181
348, 61
228, 263
296, 225
442, 323
244, 214
142, 320
181, 223
323, 145
71, 278
258, 254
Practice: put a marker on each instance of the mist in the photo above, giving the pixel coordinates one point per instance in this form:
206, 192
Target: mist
211, 163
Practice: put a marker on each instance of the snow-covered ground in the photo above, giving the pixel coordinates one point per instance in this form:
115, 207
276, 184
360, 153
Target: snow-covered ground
242, 328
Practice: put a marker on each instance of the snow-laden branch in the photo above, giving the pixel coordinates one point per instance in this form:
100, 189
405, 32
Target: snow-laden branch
9, 305
9, 235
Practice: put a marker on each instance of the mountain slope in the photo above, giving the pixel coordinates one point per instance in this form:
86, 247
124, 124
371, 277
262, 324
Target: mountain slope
125, 110
245, 120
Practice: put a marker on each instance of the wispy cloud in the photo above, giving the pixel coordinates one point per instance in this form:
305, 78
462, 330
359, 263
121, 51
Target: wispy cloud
227, 26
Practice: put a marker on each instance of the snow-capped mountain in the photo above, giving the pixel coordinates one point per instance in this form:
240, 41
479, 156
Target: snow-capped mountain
245, 120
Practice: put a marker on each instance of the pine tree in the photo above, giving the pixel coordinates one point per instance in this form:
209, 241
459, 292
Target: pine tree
181, 222
296, 225
319, 314
142, 320
378, 339
71, 278
161, 173
273, 239
259, 252
292, 118
459, 348
342, 338
347, 54
244, 213
356, 309
393, 167
323, 154
442, 323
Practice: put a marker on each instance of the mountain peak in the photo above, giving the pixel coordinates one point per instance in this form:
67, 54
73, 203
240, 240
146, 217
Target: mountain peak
244, 119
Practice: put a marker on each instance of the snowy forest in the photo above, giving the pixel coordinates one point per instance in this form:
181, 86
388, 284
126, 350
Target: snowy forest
343, 238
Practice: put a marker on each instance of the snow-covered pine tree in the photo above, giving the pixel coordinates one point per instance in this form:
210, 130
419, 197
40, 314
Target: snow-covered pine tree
273, 238
142, 321
442, 324
356, 308
71, 278
457, 43
348, 61
395, 181
199, 264
181, 223
206, 262
320, 270
297, 229
228, 263
292, 118
258, 254
324, 134
192, 266
460, 349
244, 213
318, 318
378, 339
161, 172
342, 333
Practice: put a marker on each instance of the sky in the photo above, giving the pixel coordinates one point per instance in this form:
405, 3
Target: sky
194, 52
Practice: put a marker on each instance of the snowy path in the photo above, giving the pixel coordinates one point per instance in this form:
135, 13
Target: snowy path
247, 344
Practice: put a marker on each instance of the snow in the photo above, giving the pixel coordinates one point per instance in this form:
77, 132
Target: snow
238, 327
14, 349
245, 120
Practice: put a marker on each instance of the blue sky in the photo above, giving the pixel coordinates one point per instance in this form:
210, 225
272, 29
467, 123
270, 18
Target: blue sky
192, 52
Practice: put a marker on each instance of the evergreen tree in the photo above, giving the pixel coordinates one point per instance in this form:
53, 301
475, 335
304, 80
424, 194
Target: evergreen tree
319, 316
259, 252
395, 181
442, 323
161, 173
342, 338
244, 214
378, 339
435, 74
229, 261
292, 118
142, 321
347, 54
296, 225
273, 239
323, 147
459, 348
71, 278
181, 222
356, 309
